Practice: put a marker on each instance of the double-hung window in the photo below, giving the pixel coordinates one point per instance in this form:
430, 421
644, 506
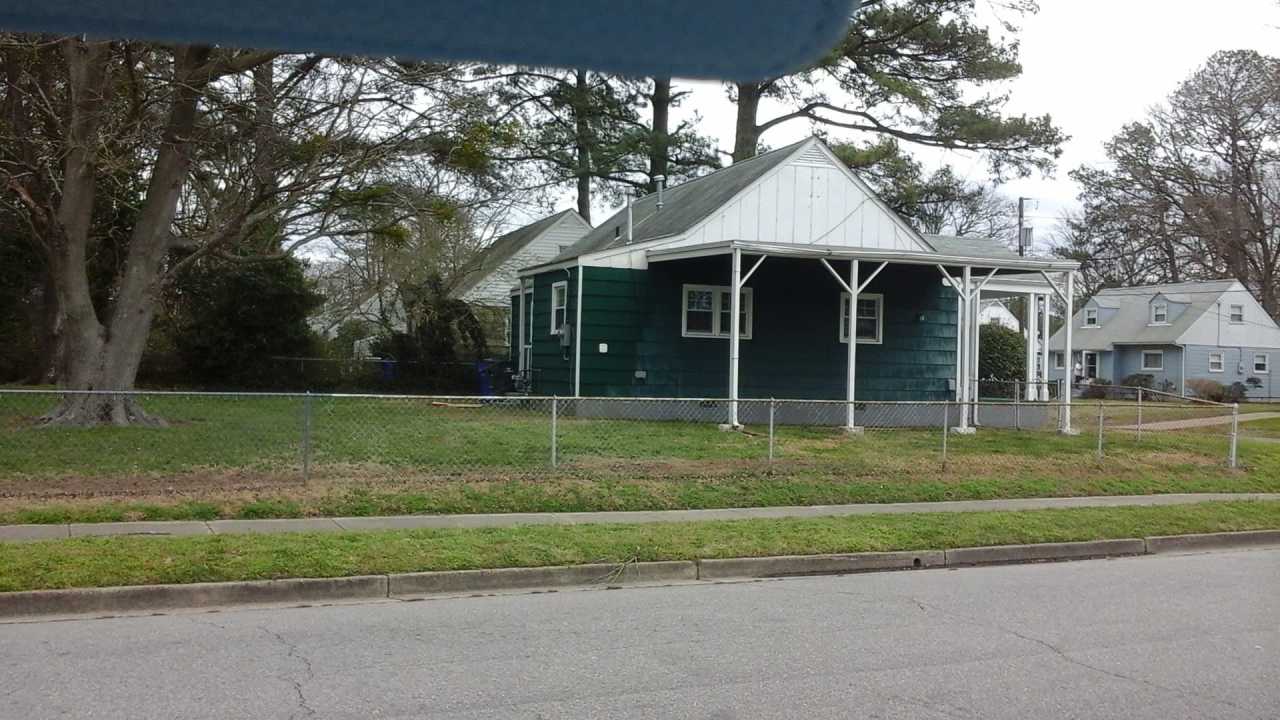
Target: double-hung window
559, 306
1216, 363
869, 323
1091, 317
1152, 360
1262, 363
707, 308
1236, 314
1159, 313
1058, 360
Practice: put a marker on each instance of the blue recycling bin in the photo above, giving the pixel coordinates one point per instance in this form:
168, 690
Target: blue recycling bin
484, 375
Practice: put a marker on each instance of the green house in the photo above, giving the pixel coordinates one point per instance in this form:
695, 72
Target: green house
642, 305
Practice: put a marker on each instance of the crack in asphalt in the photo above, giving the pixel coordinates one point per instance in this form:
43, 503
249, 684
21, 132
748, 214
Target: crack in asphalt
294, 653
1063, 655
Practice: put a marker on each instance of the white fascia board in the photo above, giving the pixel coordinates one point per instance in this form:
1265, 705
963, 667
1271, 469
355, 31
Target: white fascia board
827, 251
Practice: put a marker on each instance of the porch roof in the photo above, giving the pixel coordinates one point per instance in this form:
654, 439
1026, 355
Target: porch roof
905, 257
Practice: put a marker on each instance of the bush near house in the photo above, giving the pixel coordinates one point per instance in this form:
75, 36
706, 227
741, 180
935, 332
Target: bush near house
1139, 380
1099, 389
1215, 391
1003, 358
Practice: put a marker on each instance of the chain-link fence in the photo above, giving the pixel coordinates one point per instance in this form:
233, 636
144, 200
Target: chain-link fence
246, 441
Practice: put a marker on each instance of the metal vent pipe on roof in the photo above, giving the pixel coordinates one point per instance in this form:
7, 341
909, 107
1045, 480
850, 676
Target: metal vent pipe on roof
630, 225
660, 181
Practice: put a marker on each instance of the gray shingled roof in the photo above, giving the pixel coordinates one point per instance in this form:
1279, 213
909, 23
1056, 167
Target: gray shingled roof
684, 205
972, 247
501, 250
1131, 322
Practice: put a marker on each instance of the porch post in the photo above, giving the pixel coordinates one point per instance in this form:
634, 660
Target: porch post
1044, 349
966, 347
1030, 311
975, 325
520, 340
735, 290
851, 370
1066, 399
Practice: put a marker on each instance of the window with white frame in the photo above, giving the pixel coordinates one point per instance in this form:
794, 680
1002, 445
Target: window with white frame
1153, 360
1159, 313
869, 323
1217, 363
1236, 314
1262, 363
706, 310
1091, 317
559, 306
1058, 360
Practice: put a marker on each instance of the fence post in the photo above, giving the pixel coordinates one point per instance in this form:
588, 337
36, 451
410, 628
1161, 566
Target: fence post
1017, 405
772, 403
555, 400
306, 437
1235, 431
1139, 414
946, 420
1102, 409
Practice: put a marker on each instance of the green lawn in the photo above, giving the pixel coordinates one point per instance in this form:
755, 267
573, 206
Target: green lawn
241, 457
94, 562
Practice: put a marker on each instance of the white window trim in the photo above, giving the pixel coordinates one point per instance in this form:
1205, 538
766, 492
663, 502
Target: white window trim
1165, 321
1087, 317
1059, 360
1222, 362
1266, 363
1231, 314
1145, 366
716, 292
842, 330
555, 329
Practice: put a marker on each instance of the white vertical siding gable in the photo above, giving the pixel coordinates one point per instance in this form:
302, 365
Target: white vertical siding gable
811, 199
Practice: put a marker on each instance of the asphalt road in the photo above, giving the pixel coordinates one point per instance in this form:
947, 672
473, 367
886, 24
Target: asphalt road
1194, 636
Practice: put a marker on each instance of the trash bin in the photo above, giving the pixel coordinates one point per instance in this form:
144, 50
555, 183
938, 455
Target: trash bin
484, 375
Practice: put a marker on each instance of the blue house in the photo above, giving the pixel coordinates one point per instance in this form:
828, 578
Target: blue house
1213, 330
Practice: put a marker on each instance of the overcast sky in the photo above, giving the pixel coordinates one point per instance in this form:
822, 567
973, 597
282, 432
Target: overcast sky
1093, 65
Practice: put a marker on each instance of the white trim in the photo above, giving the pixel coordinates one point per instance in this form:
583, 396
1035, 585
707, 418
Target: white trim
1059, 360
1145, 353
1231, 314
559, 285
843, 329
1222, 362
717, 309
1085, 324
577, 337
1266, 363
1152, 316
903, 257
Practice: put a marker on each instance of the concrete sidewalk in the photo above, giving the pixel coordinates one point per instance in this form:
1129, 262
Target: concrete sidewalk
19, 533
1200, 422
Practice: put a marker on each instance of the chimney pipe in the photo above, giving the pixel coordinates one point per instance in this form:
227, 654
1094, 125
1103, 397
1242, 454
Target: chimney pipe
660, 181
629, 223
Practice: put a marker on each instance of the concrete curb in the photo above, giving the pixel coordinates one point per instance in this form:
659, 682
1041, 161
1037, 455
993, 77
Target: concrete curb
155, 598
1045, 551
1212, 541
466, 581
144, 598
791, 565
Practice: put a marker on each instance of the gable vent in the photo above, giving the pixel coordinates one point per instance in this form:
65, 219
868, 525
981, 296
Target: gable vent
812, 156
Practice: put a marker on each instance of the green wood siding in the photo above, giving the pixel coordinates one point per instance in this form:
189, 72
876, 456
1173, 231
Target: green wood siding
794, 351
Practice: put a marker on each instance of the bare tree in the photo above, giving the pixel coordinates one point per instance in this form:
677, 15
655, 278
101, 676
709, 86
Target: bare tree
242, 154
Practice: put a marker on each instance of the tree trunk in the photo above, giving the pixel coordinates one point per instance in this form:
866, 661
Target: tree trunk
582, 142
659, 141
746, 135
105, 356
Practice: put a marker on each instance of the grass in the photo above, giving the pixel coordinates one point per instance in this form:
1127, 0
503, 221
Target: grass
239, 458
1268, 428
98, 562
